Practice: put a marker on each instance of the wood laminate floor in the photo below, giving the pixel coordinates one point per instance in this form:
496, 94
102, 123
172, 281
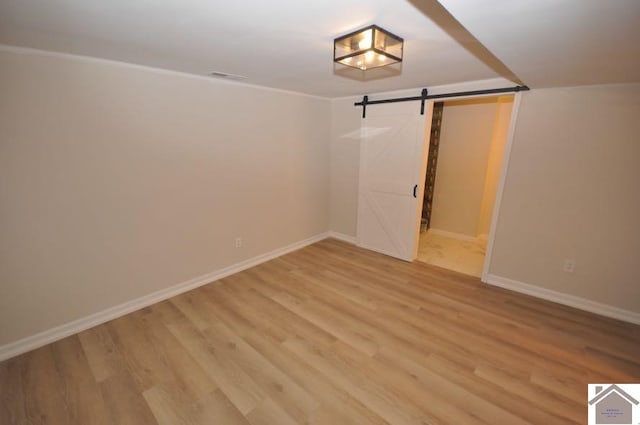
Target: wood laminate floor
330, 334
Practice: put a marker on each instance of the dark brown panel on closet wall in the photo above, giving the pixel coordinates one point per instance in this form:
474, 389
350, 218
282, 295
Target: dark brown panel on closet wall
432, 163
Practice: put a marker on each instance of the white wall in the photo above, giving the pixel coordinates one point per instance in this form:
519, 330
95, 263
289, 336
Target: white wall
117, 181
465, 142
572, 192
345, 164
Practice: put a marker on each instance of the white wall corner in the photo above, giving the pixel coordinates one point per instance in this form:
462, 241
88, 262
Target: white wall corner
343, 237
51, 335
565, 299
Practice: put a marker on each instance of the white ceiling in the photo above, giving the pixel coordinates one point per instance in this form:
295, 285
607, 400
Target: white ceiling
551, 43
288, 44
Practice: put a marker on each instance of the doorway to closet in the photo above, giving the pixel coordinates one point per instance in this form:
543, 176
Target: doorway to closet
464, 159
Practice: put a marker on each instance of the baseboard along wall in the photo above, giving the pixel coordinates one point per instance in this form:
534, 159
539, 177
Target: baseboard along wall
343, 237
54, 334
564, 299
452, 235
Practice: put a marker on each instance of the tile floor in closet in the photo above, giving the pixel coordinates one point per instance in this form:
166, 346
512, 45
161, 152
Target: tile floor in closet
454, 254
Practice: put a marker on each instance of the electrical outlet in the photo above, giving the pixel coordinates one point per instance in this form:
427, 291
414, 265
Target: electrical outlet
569, 265
238, 242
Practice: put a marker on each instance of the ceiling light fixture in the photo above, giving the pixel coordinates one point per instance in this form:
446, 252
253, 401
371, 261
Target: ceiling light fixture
368, 47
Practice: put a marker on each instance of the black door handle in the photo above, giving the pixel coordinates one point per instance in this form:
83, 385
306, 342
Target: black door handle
415, 191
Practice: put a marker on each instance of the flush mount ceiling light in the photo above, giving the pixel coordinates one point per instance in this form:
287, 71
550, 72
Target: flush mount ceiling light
369, 47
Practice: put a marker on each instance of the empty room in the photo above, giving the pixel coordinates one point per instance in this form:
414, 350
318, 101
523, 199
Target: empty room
257, 212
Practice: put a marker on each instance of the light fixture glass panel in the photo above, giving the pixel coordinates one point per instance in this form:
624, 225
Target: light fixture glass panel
365, 40
366, 60
388, 43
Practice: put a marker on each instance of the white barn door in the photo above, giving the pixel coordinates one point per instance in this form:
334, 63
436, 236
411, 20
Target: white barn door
392, 167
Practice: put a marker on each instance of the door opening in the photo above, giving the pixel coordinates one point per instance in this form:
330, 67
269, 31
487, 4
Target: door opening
464, 161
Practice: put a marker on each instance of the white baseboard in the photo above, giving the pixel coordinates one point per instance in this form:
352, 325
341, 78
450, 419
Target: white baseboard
565, 299
38, 340
343, 237
452, 235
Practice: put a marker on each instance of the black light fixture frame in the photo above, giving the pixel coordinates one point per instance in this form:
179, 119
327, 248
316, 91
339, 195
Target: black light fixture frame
373, 29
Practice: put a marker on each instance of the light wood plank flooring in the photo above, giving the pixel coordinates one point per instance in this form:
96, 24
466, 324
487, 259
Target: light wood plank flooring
330, 334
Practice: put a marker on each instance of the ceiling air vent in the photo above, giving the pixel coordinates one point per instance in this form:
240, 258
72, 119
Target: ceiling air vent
227, 76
